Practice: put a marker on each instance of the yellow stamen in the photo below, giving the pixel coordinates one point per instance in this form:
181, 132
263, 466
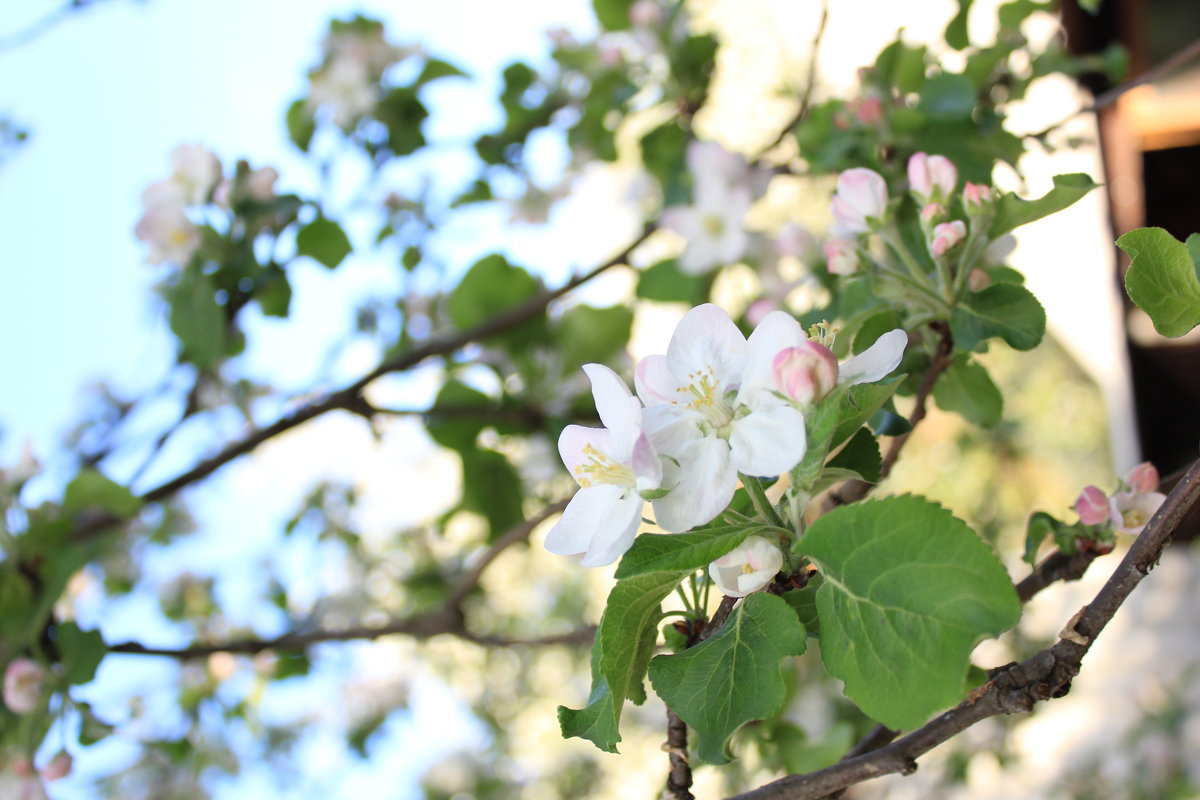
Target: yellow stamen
824, 333
602, 469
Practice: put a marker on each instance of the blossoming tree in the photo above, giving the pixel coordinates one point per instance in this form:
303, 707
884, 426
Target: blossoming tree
740, 486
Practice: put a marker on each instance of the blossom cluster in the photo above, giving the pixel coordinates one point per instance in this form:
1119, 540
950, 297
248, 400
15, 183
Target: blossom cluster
23, 693
1129, 508
196, 180
716, 405
347, 85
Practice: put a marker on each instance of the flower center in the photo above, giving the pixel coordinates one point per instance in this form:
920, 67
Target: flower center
713, 225
1133, 518
602, 469
707, 399
747, 569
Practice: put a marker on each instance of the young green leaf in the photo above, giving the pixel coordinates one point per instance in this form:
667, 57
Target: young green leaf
1006, 310
597, 721
91, 489
490, 287
1013, 212
734, 677
655, 552
82, 651
629, 629
666, 283
324, 241
197, 319
860, 455
965, 388
908, 591
1163, 278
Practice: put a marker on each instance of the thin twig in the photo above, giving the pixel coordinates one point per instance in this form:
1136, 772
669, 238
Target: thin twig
1015, 688
806, 98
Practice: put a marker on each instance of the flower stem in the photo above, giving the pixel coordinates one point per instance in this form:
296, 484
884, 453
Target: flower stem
758, 496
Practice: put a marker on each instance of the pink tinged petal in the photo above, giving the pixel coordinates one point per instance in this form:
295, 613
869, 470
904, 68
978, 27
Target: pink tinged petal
596, 519
768, 441
706, 342
706, 484
683, 220
647, 466
861, 194
618, 409
1092, 506
777, 331
877, 361
654, 382
841, 257
23, 678
805, 373
672, 429
1131, 510
1143, 478
946, 235
617, 531
758, 554
59, 766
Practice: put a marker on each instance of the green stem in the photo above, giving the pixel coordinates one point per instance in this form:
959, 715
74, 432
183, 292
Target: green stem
758, 496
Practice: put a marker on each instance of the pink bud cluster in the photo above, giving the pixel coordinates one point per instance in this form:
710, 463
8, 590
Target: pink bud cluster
805, 373
1130, 508
23, 681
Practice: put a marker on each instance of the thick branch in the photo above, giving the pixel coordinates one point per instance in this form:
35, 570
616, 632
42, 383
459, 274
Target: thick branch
679, 779
1015, 688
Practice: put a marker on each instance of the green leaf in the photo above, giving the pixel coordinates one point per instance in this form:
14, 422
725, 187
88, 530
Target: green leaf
1163, 278
664, 152
300, 124
1041, 526
91, 728
956, 31
908, 591
860, 404
323, 240
490, 287
588, 335
965, 388
1007, 310
666, 283
91, 489
947, 95
492, 488
598, 720
274, 293
734, 677
197, 319
1013, 212
655, 552
82, 651
436, 68
804, 603
860, 455
401, 112
613, 15
629, 630
452, 428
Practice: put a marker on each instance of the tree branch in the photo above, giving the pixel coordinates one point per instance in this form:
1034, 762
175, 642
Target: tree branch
1014, 688
806, 98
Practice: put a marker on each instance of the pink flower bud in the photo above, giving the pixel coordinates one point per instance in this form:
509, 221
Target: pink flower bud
59, 766
946, 235
1143, 478
932, 214
976, 198
23, 685
840, 257
861, 195
805, 373
1092, 506
759, 309
869, 110
978, 280
931, 177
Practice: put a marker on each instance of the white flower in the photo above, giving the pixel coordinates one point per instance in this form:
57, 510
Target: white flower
861, 197
747, 568
195, 171
931, 178
165, 226
612, 465
1132, 508
710, 407
345, 88
23, 678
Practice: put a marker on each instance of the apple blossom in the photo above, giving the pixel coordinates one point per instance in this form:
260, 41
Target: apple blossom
344, 87
747, 568
711, 408
841, 256
195, 171
861, 197
1142, 478
23, 679
1092, 506
612, 465
931, 178
932, 214
646, 13
946, 235
165, 226
976, 198
15, 786
1132, 507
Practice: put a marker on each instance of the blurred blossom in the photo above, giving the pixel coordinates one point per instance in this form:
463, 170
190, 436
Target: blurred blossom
861, 196
195, 171
646, 13
23, 679
946, 235
793, 240
345, 88
21, 787
164, 225
59, 766
931, 178
841, 256
1092, 506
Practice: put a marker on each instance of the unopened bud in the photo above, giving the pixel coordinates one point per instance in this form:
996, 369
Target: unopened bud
931, 177
840, 257
946, 235
977, 198
805, 373
932, 214
1092, 506
1143, 478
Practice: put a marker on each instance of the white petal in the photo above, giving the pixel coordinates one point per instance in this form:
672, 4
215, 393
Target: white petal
777, 331
654, 382
876, 361
672, 429
647, 466
706, 484
619, 412
573, 440
706, 339
582, 519
616, 532
768, 441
